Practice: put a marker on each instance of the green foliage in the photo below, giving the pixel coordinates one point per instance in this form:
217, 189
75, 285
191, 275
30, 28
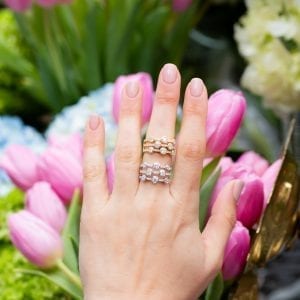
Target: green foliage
15, 285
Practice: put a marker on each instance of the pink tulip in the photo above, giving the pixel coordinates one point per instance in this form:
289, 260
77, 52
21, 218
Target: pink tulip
37, 241
110, 171
181, 5
226, 109
145, 82
269, 178
72, 143
236, 251
258, 164
18, 5
20, 163
42, 201
62, 170
47, 3
251, 201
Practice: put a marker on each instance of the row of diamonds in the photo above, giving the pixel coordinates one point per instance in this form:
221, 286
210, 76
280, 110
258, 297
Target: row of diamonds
163, 140
162, 150
155, 166
149, 172
154, 179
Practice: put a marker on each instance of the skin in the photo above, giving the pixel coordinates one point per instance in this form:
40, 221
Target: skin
142, 241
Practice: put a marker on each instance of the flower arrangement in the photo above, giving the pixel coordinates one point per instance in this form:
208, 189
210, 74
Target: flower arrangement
46, 230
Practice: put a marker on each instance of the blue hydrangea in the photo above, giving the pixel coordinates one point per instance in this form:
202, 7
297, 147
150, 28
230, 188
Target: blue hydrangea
73, 118
13, 131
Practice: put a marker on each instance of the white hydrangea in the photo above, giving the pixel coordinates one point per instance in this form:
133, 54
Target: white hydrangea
73, 118
268, 37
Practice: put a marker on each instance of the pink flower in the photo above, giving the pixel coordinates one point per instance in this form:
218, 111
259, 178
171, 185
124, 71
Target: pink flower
47, 3
236, 251
258, 164
251, 201
110, 171
147, 102
62, 170
226, 109
72, 143
42, 201
20, 163
269, 178
37, 241
181, 5
18, 5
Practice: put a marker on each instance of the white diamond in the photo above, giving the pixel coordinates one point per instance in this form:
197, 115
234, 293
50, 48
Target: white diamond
149, 172
154, 179
170, 146
157, 144
167, 180
156, 166
162, 172
168, 168
163, 150
164, 139
143, 177
150, 149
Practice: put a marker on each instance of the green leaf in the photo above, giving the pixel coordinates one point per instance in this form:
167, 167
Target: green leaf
58, 278
215, 289
71, 234
205, 195
209, 169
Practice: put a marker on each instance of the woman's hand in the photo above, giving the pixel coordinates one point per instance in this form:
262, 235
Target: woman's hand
143, 240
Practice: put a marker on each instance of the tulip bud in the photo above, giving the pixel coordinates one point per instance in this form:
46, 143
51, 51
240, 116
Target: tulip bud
42, 201
226, 109
62, 170
269, 178
181, 5
145, 82
255, 161
37, 241
110, 171
251, 201
236, 251
20, 164
72, 143
47, 3
18, 5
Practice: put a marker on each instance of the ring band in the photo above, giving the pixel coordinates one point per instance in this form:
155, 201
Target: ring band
155, 172
163, 146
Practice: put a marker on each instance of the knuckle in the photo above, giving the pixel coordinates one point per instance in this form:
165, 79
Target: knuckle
230, 219
193, 108
127, 154
92, 171
129, 109
193, 151
166, 97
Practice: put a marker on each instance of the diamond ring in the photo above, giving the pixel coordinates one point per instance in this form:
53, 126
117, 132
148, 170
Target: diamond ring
155, 172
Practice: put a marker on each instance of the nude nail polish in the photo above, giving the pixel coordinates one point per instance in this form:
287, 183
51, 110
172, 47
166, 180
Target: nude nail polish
94, 122
169, 73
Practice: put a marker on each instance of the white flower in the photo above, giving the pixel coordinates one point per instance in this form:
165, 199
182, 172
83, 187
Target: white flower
268, 37
73, 118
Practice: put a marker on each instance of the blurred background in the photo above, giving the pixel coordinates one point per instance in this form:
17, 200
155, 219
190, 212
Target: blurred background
60, 59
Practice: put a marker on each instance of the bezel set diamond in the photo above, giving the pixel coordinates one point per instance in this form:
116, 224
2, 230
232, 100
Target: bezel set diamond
163, 146
155, 172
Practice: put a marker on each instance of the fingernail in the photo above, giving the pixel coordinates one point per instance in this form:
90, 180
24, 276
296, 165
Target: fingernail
196, 87
237, 189
94, 122
132, 89
169, 73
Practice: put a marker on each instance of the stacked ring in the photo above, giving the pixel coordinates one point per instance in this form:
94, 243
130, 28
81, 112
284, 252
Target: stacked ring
155, 172
163, 146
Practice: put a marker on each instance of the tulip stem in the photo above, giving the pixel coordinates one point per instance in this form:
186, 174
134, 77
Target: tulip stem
73, 277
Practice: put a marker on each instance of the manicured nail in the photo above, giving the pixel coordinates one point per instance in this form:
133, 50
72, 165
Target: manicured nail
94, 122
169, 73
237, 189
196, 87
132, 89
